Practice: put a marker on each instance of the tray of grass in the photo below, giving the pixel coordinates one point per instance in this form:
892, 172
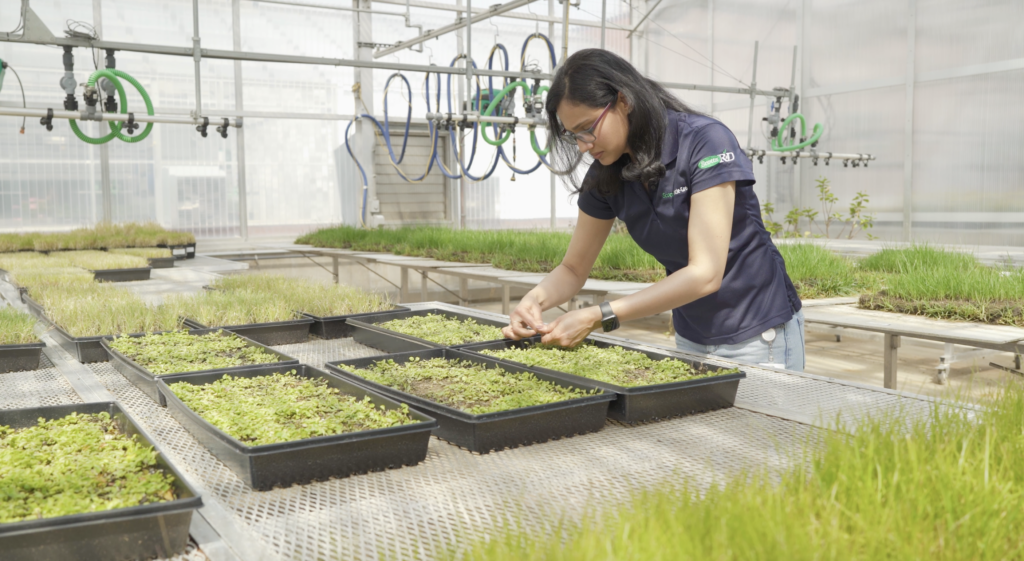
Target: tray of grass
480, 403
385, 342
158, 257
277, 427
648, 385
84, 481
267, 320
436, 327
19, 346
142, 358
83, 315
34, 308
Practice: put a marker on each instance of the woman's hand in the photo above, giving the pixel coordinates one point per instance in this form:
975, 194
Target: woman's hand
572, 328
525, 320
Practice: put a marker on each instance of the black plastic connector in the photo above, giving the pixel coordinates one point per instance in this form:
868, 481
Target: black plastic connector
202, 128
47, 121
70, 103
130, 126
223, 129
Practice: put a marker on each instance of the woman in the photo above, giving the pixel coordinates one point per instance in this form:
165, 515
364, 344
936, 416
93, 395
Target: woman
684, 188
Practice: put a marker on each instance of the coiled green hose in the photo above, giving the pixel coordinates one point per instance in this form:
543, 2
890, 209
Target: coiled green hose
779, 142
113, 74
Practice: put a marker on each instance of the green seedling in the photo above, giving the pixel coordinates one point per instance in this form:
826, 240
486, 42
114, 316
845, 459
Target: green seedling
613, 365
468, 386
219, 308
73, 465
180, 351
284, 407
93, 260
98, 309
444, 330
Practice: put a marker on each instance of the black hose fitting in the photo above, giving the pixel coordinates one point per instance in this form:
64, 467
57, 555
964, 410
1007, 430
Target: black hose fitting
202, 128
223, 129
47, 121
69, 60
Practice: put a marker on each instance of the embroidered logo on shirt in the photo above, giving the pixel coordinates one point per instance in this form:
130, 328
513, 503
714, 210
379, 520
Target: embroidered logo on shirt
712, 161
678, 191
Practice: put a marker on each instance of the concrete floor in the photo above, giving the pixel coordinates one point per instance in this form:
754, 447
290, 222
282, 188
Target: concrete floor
857, 358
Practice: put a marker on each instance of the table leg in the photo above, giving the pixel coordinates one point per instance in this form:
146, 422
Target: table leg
334, 268
423, 286
892, 343
463, 292
506, 295
945, 362
403, 292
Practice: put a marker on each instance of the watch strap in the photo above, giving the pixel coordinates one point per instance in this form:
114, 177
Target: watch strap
609, 321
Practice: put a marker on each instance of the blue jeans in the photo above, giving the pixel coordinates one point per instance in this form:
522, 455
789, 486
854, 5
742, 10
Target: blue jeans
787, 348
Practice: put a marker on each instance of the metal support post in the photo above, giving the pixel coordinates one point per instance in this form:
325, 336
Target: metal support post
464, 292
106, 193
334, 262
423, 286
197, 55
565, 29
243, 206
753, 99
908, 123
711, 54
460, 94
604, 19
365, 141
551, 33
469, 57
403, 291
892, 343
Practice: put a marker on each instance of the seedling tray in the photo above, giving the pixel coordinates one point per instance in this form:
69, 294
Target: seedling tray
645, 403
161, 262
374, 320
20, 358
501, 429
187, 251
336, 327
34, 308
145, 380
138, 532
313, 459
122, 275
271, 334
384, 341
83, 349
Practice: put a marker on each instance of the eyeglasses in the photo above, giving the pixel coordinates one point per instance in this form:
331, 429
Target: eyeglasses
587, 136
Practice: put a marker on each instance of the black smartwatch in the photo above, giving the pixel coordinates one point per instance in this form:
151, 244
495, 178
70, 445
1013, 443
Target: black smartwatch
609, 321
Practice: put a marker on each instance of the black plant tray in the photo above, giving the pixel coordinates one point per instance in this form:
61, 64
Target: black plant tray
161, 262
34, 308
145, 380
373, 321
499, 430
336, 327
122, 275
645, 403
20, 358
188, 251
271, 334
385, 342
137, 532
303, 461
83, 349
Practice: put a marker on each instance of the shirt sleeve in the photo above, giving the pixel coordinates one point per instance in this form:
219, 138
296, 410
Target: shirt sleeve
716, 157
593, 203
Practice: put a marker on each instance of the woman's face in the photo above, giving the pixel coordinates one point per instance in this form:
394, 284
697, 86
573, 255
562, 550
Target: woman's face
611, 131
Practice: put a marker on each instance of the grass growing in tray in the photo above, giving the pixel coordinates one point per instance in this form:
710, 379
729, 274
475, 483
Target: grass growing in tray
180, 351
941, 485
103, 236
284, 408
81, 463
613, 365
816, 272
144, 252
444, 330
16, 327
468, 386
95, 309
219, 308
101, 260
37, 279
514, 250
318, 299
929, 281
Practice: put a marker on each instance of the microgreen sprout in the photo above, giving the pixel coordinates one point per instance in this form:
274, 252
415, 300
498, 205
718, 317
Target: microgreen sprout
180, 351
444, 330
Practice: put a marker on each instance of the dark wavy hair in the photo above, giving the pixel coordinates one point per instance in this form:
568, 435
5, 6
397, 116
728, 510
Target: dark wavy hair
595, 78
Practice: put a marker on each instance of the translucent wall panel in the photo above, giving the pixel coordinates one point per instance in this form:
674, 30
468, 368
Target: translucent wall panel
856, 41
952, 33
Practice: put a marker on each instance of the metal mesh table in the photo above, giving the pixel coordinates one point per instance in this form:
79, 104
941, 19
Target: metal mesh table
455, 497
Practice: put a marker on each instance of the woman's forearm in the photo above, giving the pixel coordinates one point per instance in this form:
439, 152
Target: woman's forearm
558, 287
678, 289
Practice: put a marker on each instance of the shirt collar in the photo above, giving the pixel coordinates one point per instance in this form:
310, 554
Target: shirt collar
670, 145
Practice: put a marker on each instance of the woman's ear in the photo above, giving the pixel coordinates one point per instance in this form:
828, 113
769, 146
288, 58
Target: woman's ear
625, 102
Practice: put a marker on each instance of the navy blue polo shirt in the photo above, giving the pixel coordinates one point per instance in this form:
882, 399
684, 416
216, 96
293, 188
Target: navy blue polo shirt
699, 153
